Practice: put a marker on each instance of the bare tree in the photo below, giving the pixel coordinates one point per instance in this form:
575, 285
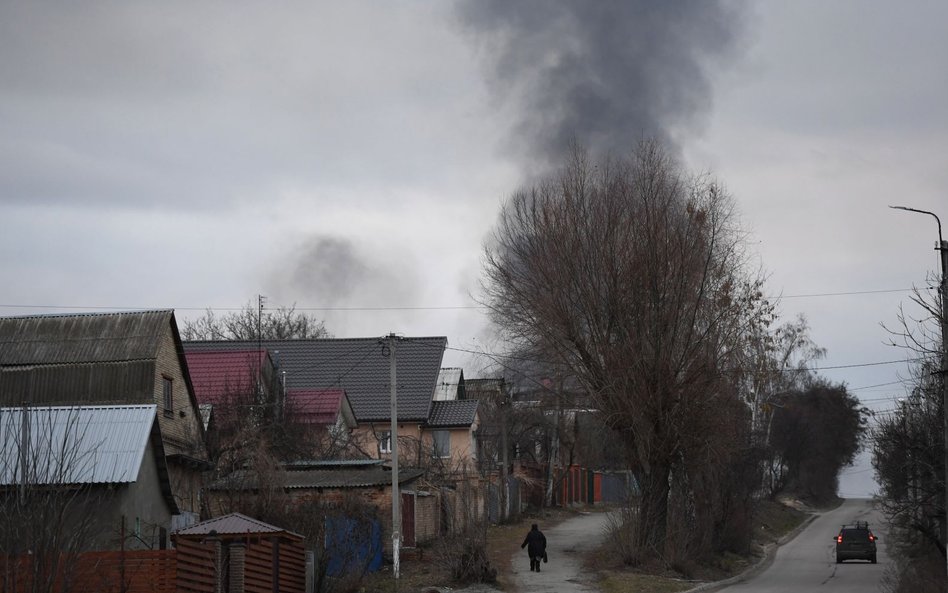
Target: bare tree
909, 456
633, 275
48, 506
250, 323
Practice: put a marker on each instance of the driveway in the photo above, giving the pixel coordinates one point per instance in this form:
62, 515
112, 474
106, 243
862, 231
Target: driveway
566, 544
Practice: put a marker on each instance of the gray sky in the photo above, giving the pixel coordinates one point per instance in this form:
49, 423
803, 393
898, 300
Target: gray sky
348, 155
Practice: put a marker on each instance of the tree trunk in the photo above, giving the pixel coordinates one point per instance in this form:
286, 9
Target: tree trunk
653, 511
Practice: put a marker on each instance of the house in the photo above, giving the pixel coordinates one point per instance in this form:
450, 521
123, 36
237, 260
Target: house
128, 358
361, 367
449, 432
230, 382
240, 389
99, 472
326, 415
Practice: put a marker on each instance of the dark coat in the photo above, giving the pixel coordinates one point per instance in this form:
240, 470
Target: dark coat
535, 542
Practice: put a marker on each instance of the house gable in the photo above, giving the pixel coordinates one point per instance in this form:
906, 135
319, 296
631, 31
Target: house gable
117, 358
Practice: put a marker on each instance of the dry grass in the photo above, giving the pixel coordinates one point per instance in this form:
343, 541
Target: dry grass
423, 570
626, 582
774, 519
416, 573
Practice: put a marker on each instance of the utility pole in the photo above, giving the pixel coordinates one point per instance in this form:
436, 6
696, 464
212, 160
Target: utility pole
942, 248
504, 457
396, 494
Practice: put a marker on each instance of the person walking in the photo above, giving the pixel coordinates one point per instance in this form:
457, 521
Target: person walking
535, 543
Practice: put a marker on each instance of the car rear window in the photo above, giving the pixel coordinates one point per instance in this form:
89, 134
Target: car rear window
855, 534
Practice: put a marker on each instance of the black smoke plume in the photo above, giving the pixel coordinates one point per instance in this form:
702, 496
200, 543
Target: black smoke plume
602, 73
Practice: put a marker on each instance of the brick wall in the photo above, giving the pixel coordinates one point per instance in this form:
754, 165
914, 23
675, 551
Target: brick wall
427, 518
181, 430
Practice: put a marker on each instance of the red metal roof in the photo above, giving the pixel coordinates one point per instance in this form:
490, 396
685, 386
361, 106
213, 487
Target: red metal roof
219, 375
235, 524
315, 406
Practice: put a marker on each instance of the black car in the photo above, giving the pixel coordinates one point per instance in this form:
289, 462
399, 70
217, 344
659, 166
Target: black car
856, 542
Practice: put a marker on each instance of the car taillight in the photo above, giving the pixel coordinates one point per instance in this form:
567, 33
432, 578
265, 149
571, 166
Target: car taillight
872, 538
839, 539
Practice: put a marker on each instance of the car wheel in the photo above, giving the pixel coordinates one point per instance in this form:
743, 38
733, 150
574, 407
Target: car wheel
873, 559
839, 561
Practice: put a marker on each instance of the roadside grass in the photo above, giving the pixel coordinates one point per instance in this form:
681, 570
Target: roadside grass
638, 583
417, 572
773, 520
776, 519
503, 547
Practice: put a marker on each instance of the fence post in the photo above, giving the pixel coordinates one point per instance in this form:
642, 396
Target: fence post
238, 555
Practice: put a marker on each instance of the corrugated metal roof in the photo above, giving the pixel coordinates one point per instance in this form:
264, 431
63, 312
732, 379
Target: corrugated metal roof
78, 338
476, 387
233, 524
315, 463
360, 366
453, 413
74, 444
103, 383
448, 382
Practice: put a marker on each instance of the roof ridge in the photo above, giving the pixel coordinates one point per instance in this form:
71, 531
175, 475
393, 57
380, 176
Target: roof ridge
86, 314
82, 407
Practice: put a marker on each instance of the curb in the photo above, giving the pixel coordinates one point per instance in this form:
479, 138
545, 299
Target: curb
770, 551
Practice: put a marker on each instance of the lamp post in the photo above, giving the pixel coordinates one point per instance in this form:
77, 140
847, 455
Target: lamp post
942, 248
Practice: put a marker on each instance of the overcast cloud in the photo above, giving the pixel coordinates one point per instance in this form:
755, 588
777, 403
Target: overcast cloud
354, 155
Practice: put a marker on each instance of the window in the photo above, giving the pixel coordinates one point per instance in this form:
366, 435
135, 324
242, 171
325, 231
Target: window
442, 443
385, 441
167, 395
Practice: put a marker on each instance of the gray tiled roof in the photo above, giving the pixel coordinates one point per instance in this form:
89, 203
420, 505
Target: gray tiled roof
358, 365
452, 413
321, 478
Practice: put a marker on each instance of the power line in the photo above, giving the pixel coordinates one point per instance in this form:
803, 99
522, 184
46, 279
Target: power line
416, 308
876, 385
792, 370
329, 309
850, 293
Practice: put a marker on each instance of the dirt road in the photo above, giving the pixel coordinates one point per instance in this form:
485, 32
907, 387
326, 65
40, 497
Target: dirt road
566, 544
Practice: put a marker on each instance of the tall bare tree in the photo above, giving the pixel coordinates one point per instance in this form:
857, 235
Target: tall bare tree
909, 455
633, 275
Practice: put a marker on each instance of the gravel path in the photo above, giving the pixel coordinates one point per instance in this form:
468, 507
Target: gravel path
566, 544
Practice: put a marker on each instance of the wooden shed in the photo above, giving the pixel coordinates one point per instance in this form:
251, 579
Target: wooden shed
238, 554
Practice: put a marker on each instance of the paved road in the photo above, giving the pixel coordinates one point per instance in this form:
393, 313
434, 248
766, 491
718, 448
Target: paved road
808, 562
566, 544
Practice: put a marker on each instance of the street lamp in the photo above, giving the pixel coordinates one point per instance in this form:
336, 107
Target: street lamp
942, 247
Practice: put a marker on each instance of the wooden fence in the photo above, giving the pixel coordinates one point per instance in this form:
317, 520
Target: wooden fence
190, 568
196, 568
146, 571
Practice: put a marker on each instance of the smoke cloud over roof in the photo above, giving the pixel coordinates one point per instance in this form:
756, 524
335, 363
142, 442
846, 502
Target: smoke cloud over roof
605, 74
